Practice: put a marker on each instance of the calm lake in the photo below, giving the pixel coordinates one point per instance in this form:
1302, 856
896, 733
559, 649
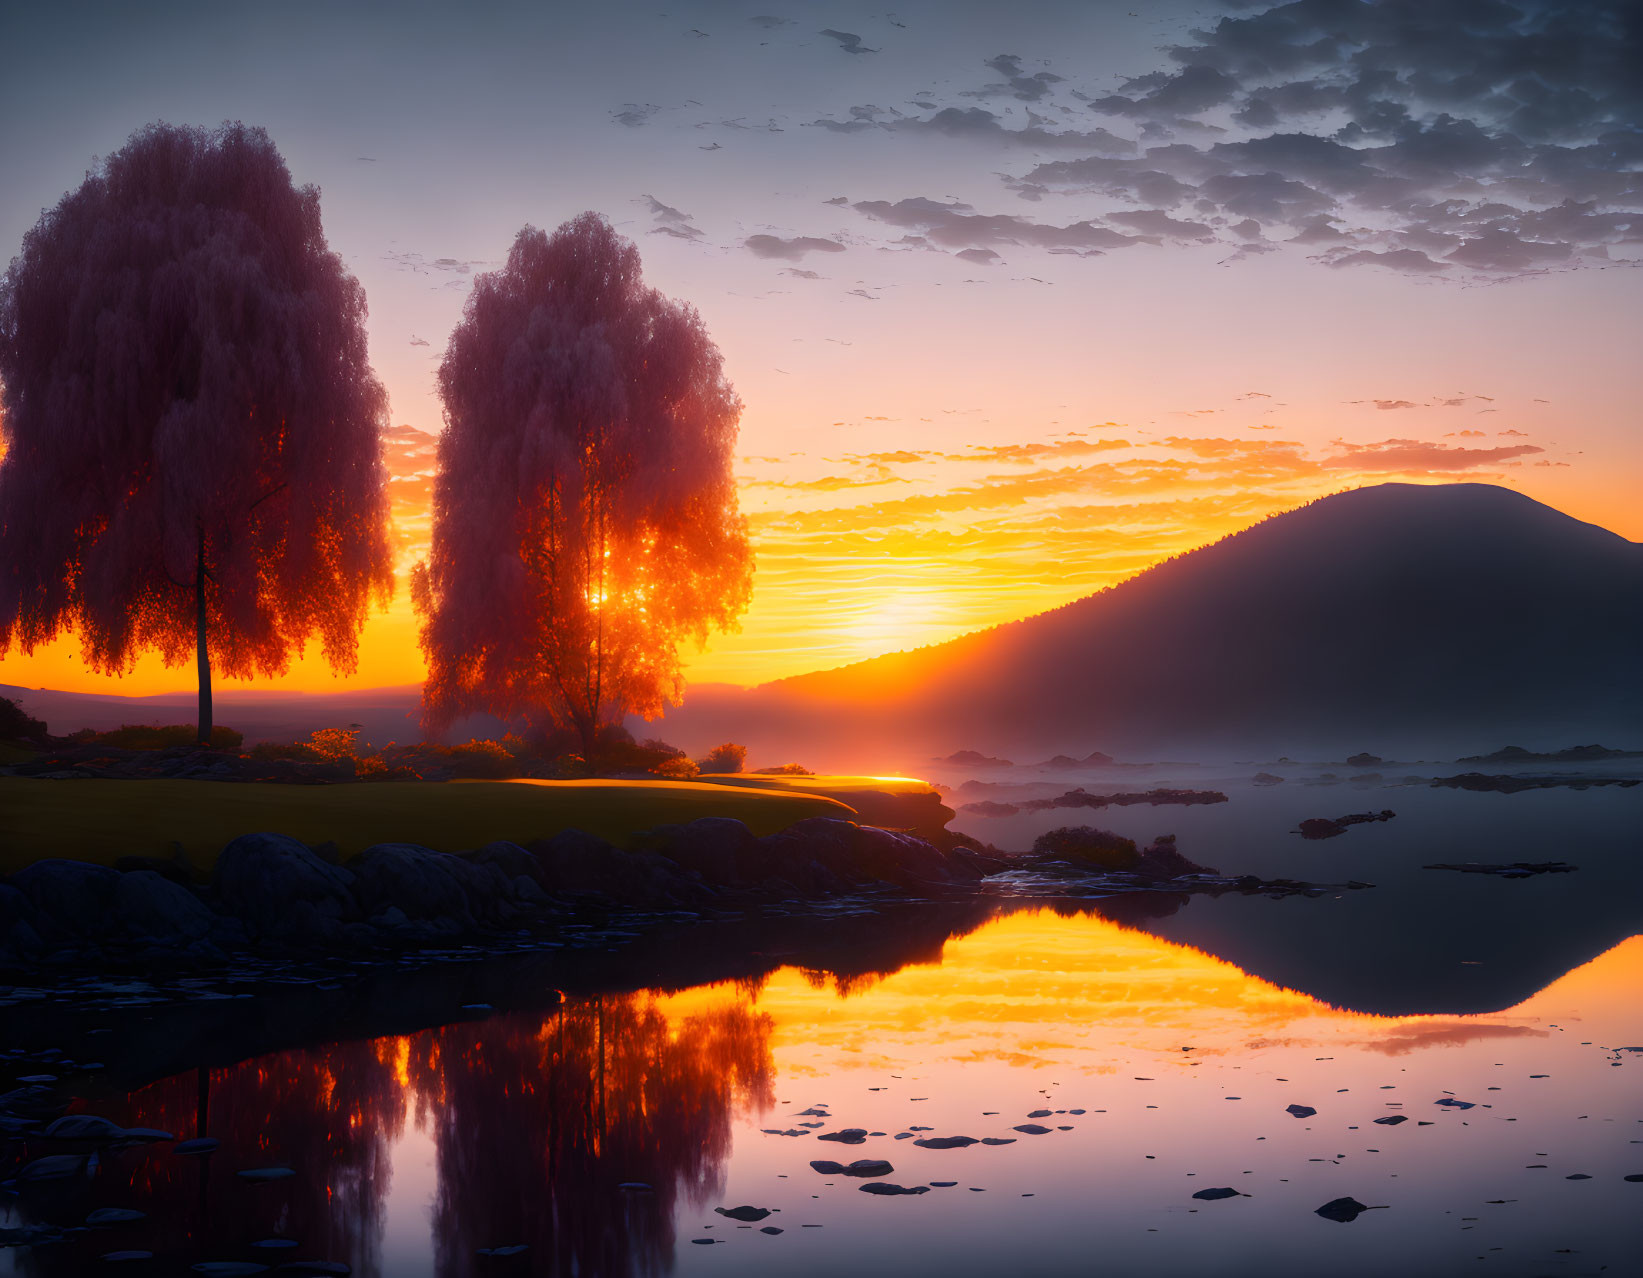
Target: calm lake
1458, 1053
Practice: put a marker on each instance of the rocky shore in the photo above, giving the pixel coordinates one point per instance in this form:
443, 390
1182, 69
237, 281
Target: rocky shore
270, 895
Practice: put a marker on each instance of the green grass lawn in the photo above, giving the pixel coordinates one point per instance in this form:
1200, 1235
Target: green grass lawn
894, 802
97, 820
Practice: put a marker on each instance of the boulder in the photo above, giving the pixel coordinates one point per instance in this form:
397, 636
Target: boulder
19, 938
150, 906
423, 884
283, 891
72, 900
720, 849
509, 858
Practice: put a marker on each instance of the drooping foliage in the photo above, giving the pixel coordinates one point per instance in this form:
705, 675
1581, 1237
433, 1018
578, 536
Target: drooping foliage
585, 514
191, 451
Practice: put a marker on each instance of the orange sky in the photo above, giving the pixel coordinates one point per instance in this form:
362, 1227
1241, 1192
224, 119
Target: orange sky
866, 552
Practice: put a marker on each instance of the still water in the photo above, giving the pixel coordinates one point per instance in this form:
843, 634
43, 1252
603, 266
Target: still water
1120, 1067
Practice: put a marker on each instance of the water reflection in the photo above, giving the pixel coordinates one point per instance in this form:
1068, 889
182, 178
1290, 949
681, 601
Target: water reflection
1165, 1068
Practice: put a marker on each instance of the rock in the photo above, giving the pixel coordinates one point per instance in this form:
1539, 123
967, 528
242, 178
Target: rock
198, 1146
1451, 1103
283, 891
1301, 1111
1342, 1210
1365, 760
770, 1229
1392, 1120
1267, 778
1215, 1195
1512, 870
151, 905
427, 886
121, 1257
722, 850
106, 1216
52, 1167
882, 1187
849, 1136
861, 1167
262, 1174
87, 1127
1030, 1129
19, 938
998, 1140
946, 1142
72, 900
511, 859
747, 1214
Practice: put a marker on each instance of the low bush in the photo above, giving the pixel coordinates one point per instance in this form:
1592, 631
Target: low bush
786, 770
1101, 848
16, 724
147, 736
723, 759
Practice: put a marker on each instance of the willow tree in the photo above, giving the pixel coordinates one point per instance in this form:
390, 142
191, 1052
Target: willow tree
191, 458
585, 517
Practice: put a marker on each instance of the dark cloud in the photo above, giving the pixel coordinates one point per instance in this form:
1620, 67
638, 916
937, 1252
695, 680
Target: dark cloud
956, 225
1478, 137
980, 124
1159, 223
634, 114
986, 257
799, 273
848, 41
770, 23
790, 250
1018, 84
1386, 404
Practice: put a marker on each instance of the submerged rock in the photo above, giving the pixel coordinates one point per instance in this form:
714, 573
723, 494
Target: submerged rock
747, 1214
1342, 1210
882, 1187
1301, 1111
946, 1142
861, 1167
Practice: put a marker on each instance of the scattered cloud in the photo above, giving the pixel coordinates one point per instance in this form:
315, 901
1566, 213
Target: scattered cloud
790, 250
670, 221
848, 41
1413, 457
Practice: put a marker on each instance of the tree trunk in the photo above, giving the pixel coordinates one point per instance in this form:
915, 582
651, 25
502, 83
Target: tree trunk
202, 658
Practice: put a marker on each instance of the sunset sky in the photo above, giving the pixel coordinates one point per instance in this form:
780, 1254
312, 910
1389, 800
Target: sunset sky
1020, 298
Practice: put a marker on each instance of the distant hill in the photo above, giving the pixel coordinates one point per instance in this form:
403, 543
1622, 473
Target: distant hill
384, 714
1403, 619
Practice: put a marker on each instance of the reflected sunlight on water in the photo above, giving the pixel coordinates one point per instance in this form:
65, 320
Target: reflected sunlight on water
1119, 1074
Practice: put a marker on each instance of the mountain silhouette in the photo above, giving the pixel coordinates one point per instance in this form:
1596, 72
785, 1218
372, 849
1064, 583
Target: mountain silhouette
1400, 618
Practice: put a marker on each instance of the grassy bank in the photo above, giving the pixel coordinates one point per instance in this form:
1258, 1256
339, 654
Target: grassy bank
894, 802
97, 820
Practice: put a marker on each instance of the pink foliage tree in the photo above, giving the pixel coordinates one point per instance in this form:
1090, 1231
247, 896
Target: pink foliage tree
192, 458
585, 513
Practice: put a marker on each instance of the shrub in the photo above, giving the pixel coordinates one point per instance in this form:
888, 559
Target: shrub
16, 724
146, 736
786, 770
1101, 848
335, 744
283, 750
723, 759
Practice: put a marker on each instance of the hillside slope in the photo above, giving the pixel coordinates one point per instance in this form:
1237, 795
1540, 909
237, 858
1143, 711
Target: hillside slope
1395, 617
